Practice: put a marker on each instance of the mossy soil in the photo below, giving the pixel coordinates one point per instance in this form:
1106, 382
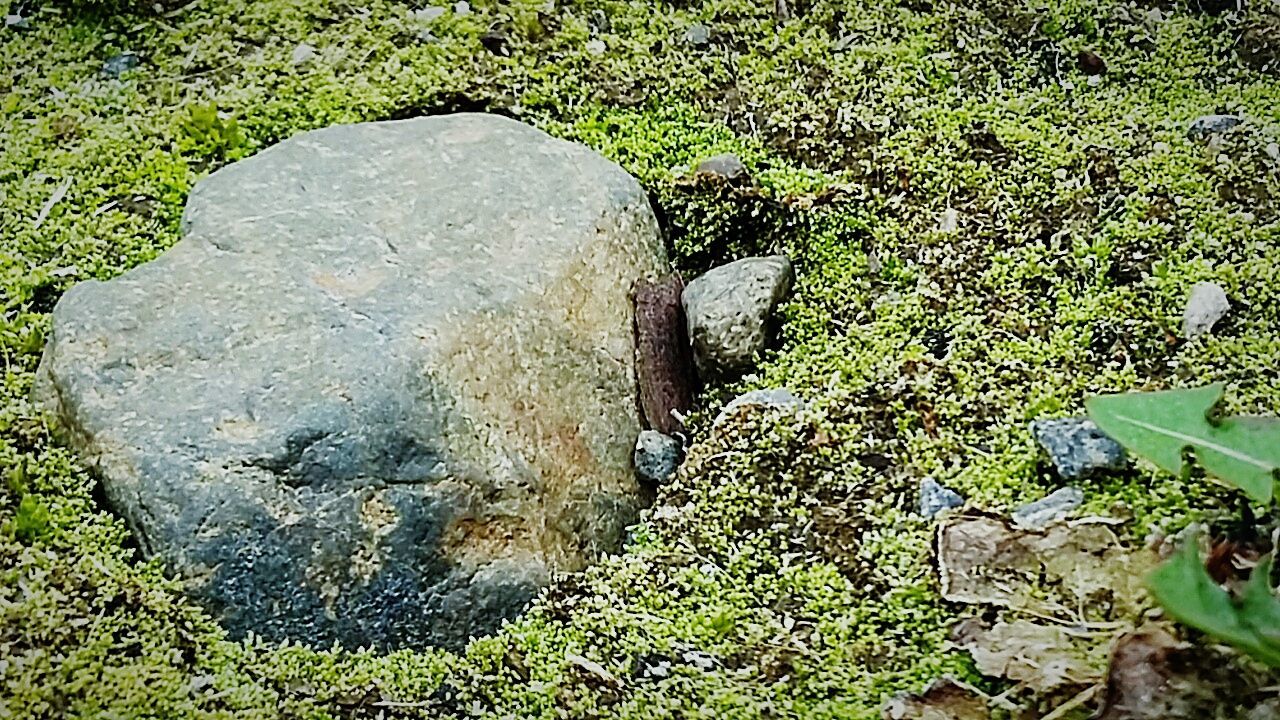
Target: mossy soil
984, 235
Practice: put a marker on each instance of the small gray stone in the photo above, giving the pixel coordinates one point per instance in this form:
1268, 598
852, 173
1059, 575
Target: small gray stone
1206, 125
302, 54
1205, 307
726, 166
117, 65
1077, 446
657, 457
1049, 509
728, 310
429, 13
767, 399
935, 498
697, 35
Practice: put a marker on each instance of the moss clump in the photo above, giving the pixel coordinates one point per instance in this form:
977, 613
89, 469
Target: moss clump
983, 234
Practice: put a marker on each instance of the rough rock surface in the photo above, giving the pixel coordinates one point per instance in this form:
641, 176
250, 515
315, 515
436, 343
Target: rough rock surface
729, 309
1077, 446
381, 389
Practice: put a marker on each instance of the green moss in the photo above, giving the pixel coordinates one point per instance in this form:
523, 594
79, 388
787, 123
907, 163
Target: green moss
788, 551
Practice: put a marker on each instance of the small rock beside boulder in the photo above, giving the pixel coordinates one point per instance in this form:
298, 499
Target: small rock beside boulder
725, 167
657, 457
729, 310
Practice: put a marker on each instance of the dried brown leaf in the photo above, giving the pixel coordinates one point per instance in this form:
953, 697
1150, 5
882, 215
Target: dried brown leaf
1063, 571
1045, 658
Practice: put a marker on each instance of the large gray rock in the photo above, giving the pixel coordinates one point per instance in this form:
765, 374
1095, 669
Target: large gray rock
382, 388
729, 310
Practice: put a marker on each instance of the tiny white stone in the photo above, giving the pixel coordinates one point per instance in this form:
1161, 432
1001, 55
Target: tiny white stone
303, 53
429, 13
596, 47
950, 220
1206, 306
462, 7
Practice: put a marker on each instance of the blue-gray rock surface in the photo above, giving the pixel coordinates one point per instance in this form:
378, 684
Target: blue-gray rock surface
657, 456
1077, 447
382, 388
1049, 509
934, 498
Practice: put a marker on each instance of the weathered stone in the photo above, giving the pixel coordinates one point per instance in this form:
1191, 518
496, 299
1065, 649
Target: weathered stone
1207, 305
726, 167
1077, 447
1049, 509
935, 498
767, 399
656, 457
1207, 125
383, 387
729, 310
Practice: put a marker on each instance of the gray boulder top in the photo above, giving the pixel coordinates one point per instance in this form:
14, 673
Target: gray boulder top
384, 385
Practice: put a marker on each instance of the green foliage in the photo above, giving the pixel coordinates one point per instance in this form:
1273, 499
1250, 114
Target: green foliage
1164, 426
211, 134
1251, 622
795, 556
31, 520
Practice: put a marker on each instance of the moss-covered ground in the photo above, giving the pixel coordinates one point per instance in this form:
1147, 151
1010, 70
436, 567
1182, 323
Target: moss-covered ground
788, 552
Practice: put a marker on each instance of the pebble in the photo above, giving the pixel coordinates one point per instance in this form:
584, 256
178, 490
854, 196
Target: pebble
656, 457
1206, 125
1077, 446
935, 498
117, 65
1049, 509
729, 312
697, 35
725, 166
302, 54
1206, 305
768, 399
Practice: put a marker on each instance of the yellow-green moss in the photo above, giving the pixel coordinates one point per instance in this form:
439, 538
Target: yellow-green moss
795, 561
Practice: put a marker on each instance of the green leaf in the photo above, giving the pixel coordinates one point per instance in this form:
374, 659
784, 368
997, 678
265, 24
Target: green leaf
1259, 606
1185, 590
1163, 426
